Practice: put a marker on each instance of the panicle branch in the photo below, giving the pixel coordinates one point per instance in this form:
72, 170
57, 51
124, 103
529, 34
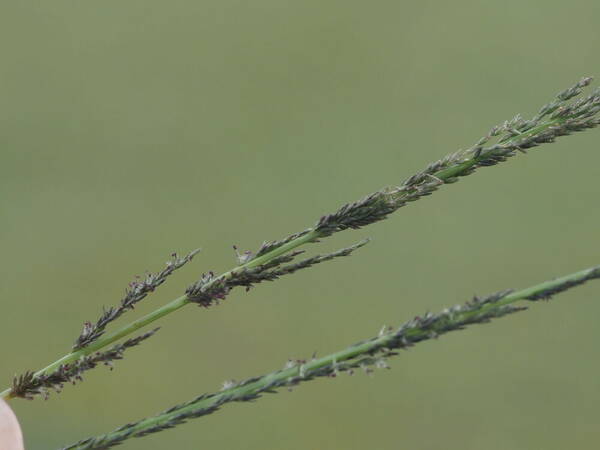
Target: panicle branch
137, 290
28, 385
209, 289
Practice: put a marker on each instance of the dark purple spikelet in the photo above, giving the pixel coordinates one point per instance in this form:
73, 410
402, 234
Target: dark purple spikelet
373, 208
208, 289
269, 246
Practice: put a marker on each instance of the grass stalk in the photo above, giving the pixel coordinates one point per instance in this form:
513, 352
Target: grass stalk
364, 355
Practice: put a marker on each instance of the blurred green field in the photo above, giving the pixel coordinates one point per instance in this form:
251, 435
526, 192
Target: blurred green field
132, 129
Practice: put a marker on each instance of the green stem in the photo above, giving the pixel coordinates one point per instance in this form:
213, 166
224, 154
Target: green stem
343, 359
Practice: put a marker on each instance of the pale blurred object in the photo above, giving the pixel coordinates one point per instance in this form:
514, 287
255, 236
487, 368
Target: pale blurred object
10, 431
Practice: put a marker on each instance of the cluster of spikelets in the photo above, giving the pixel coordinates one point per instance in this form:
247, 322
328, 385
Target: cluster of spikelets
274, 259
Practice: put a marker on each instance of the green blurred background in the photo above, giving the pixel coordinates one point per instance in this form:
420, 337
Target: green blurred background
132, 129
